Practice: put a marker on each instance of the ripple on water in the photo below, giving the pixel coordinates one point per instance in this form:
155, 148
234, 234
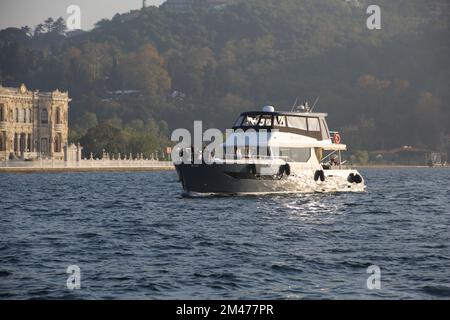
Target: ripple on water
134, 235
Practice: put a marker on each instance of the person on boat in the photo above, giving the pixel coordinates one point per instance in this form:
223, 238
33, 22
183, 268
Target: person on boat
238, 153
334, 161
247, 152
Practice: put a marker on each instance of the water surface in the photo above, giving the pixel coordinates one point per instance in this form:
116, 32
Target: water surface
135, 236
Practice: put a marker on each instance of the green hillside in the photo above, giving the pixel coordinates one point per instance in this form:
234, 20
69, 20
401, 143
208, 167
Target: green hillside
383, 89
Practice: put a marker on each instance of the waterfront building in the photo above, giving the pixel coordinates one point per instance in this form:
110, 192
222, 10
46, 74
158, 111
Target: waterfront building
33, 124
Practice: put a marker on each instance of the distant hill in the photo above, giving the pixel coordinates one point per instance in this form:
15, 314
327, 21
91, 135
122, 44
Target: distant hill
383, 89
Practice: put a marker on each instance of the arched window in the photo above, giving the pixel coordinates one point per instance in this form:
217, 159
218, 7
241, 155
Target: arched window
44, 145
2, 112
58, 115
24, 115
17, 115
44, 116
29, 142
57, 144
21, 142
2, 140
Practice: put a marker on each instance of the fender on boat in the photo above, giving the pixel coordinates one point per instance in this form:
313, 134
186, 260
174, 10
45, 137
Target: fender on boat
354, 178
319, 174
287, 169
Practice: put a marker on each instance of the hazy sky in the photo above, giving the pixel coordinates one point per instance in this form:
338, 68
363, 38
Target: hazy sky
17, 13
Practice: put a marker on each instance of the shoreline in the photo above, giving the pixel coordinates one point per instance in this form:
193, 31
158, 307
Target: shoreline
164, 168
84, 169
386, 166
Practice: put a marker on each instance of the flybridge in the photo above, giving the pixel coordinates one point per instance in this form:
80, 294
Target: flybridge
308, 124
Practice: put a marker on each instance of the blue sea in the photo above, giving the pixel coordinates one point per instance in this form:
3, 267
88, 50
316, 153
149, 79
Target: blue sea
135, 236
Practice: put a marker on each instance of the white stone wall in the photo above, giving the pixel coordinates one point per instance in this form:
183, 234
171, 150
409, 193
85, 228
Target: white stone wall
87, 163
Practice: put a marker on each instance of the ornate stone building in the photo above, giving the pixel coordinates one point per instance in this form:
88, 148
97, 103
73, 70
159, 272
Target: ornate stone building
33, 124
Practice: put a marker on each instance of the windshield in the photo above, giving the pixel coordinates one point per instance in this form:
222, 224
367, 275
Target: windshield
251, 121
238, 121
266, 121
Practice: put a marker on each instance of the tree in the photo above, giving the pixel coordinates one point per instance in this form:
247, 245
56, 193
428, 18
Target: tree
102, 23
104, 137
88, 120
428, 126
27, 31
40, 29
360, 157
48, 25
145, 70
59, 26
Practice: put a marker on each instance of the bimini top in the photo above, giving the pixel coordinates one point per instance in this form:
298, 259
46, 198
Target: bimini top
303, 123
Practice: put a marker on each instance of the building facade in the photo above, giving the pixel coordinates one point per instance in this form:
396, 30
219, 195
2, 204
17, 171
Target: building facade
33, 124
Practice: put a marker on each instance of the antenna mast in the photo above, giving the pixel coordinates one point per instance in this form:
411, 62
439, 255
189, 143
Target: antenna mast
295, 105
315, 103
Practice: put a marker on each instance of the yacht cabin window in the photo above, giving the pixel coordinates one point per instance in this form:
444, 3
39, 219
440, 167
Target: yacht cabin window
266, 121
325, 131
295, 154
280, 121
313, 124
238, 121
297, 123
251, 121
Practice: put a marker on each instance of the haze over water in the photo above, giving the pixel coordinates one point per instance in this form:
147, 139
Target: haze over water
134, 236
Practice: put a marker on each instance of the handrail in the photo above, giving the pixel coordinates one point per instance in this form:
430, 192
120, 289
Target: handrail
258, 157
329, 155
